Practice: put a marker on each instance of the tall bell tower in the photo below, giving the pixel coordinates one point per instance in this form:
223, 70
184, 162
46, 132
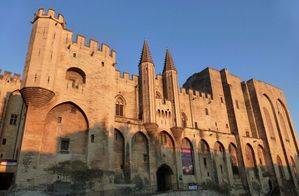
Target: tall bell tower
146, 86
170, 86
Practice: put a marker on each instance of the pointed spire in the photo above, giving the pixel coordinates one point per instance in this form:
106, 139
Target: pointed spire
146, 54
169, 65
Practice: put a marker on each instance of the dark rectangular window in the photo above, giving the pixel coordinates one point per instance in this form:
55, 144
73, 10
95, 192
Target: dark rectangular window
13, 119
237, 104
196, 126
4, 141
119, 110
205, 161
92, 138
221, 98
145, 157
64, 145
247, 134
59, 119
206, 111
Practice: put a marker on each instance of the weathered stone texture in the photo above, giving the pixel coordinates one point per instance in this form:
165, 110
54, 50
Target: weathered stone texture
240, 133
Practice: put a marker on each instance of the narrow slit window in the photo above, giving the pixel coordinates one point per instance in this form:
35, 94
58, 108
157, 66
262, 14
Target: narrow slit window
13, 119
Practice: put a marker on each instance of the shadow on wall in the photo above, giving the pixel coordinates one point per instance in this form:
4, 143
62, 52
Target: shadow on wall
74, 156
68, 170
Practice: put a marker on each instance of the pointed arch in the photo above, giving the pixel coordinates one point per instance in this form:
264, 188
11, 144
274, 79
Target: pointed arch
119, 150
280, 167
67, 125
167, 148
219, 148
269, 113
234, 159
140, 156
166, 140
120, 103
269, 123
187, 157
293, 166
261, 158
220, 162
206, 159
250, 159
288, 123
284, 120
204, 147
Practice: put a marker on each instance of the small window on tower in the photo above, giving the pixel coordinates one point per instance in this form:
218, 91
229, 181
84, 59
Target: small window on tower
145, 157
221, 98
4, 141
59, 119
196, 126
205, 162
92, 138
13, 119
206, 111
64, 145
74, 54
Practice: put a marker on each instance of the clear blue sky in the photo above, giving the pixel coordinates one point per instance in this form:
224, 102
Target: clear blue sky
253, 39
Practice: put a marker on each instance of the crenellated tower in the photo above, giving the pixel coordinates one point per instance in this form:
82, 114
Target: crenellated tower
146, 85
45, 44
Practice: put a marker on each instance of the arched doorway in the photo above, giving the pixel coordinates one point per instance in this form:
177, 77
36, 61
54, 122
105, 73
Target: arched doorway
164, 182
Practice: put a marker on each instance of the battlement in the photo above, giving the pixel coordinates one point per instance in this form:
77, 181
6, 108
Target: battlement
79, 40
42, 13
94, 46
195, 93
130, 78
9, 77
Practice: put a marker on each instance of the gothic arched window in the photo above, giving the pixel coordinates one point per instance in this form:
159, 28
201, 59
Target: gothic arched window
119, 106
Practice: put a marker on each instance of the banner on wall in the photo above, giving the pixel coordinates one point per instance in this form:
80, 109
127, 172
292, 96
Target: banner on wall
187, 161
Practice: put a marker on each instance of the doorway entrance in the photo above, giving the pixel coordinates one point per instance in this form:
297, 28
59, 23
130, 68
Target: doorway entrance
6, 180
164, 174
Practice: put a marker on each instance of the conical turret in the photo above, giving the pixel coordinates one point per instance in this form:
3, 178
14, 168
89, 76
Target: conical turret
169, 64
147, 86
146, 54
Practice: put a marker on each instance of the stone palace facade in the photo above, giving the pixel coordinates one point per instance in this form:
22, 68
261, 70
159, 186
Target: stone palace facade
74, 108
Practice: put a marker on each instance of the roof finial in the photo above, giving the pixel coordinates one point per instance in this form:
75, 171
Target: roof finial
169, 64
146, 54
